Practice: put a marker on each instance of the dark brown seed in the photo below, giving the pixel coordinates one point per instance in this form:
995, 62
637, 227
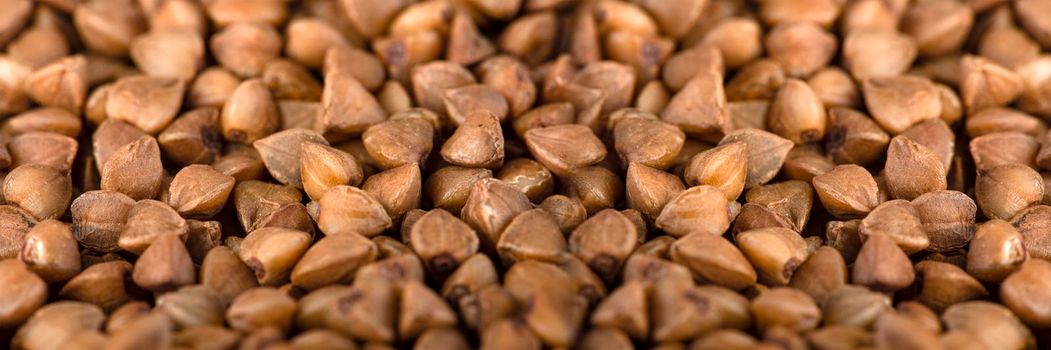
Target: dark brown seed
698, 209
774, 252
912, 169
847, 191
995, 252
